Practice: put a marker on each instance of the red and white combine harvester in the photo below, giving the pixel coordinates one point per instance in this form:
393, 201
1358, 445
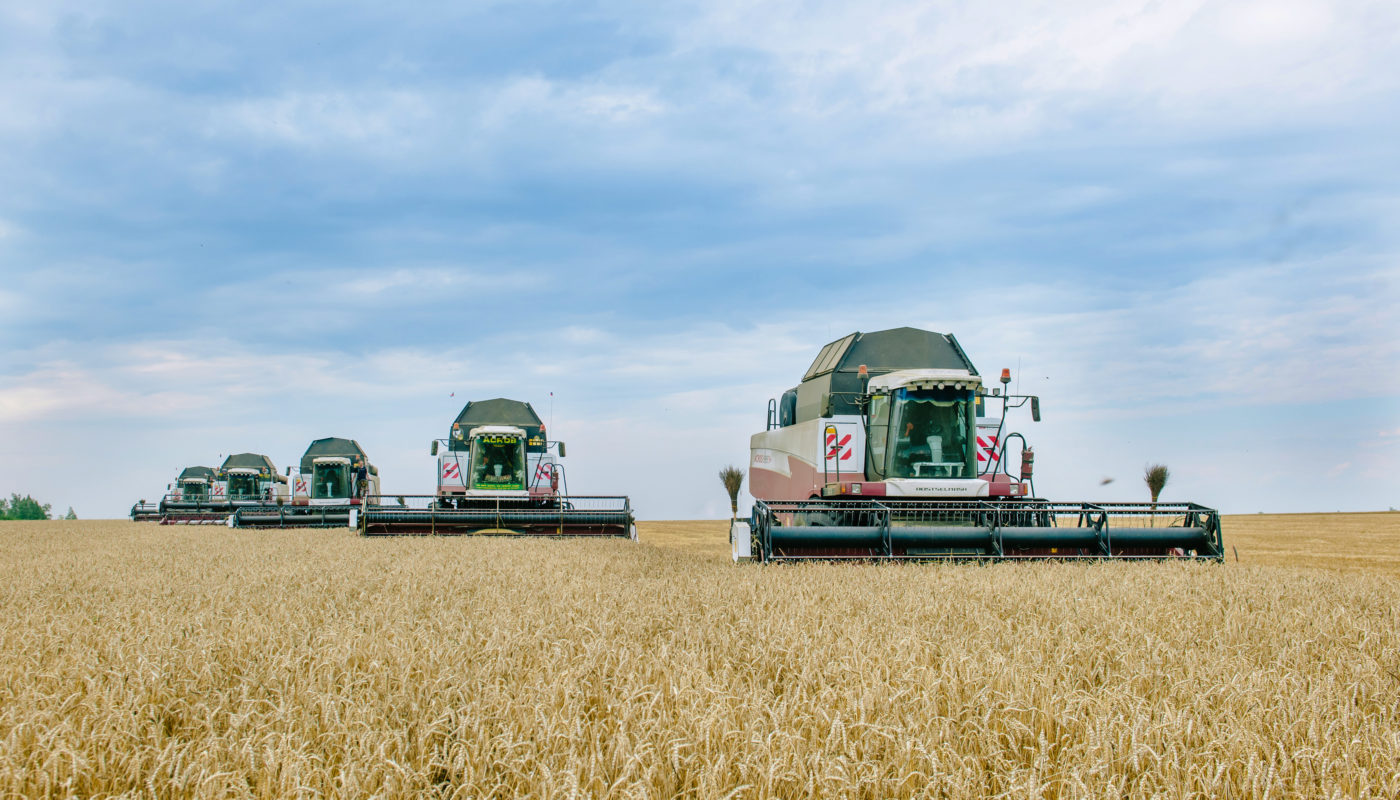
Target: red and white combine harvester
194, 498
891, 447
204, 496
330, 487
497, 473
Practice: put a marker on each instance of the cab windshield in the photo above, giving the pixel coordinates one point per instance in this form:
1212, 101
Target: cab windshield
242, 487
928, 435
194, 491
498, 462
330, 481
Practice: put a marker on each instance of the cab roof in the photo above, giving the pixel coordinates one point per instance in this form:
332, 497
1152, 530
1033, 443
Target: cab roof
335, 446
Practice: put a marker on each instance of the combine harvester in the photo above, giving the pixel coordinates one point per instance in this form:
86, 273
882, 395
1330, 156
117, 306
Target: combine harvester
498, 474
887, 450
204, 496
189, 499
334, 483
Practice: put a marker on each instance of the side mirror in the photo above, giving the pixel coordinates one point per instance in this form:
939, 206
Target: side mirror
561, 450
432, 450
289, 471
1035, 409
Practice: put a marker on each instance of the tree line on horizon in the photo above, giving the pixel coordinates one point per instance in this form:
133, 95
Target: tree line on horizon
28, 508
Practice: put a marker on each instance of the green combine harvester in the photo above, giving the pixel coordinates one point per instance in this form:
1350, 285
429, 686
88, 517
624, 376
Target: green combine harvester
892, 448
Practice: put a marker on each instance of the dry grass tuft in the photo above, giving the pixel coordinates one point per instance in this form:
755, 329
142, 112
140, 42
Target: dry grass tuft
196, 663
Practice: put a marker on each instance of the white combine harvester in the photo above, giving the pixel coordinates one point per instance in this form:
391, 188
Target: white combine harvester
330, 487
191, 499
888, 450
204, 496
497, 473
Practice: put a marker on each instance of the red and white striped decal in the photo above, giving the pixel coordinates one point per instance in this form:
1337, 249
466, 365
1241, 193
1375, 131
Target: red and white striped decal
544, 471
835, 448
987, 448
449, 471
300, 486
218, 490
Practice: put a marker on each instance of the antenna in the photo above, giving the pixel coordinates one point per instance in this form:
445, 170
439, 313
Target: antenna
1018, 374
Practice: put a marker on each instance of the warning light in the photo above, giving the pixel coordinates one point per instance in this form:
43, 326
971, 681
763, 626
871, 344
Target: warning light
1005, 375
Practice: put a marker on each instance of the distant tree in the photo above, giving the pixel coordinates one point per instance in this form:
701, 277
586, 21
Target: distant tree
1155, 476
26, 508
70, 514
733, 479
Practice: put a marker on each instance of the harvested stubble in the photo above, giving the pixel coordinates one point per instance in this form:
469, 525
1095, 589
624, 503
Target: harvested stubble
176, 662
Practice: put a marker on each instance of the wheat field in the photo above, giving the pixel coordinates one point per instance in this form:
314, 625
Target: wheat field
137, 660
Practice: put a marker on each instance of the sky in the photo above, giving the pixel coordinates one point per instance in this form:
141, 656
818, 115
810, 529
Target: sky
227, 228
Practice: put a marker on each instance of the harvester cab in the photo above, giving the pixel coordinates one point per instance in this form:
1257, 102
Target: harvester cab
195, 485
888, 449
497, 452
334, 472
251, 479
496, 463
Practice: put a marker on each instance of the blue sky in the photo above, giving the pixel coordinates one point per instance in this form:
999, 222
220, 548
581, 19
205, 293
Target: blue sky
226, 230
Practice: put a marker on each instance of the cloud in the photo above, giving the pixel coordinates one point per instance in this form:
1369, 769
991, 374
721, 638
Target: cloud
68, 391
1009, 71
384, 120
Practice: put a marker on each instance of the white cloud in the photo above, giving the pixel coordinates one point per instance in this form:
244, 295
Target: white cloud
68, 391
1009, 68
382, 119
442, 124
1276, 22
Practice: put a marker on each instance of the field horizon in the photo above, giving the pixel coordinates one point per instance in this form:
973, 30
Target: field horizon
137, 659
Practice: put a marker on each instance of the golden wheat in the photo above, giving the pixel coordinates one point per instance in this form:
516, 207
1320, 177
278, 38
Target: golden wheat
172, 662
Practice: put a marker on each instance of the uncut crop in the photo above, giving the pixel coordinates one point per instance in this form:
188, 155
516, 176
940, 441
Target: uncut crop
174, 662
